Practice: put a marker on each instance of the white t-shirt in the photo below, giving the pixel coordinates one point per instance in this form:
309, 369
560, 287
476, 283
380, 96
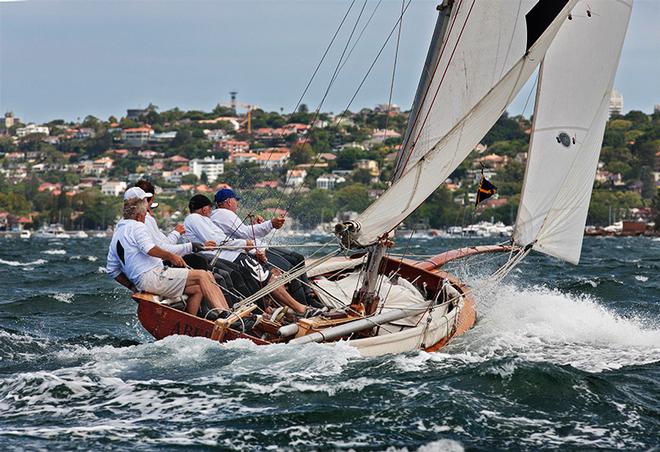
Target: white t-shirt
233, 226
136, 242
201, 229
166, 242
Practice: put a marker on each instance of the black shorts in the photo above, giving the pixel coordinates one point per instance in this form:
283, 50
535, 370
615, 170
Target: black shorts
253, 269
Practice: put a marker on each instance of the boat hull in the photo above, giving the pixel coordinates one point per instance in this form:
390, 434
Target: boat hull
433, 333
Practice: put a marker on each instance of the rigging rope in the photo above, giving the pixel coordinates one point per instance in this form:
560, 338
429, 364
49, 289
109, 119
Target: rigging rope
396, 57
241, 179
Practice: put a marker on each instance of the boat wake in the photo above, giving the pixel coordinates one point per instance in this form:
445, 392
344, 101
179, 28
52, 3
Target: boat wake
541, 324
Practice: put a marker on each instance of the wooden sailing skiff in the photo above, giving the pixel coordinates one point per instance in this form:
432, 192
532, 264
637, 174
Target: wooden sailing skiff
453, 313
481, 54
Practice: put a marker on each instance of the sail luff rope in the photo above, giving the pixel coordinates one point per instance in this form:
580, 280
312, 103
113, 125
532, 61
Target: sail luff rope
435, 95
428, 87
364, 28
396, 57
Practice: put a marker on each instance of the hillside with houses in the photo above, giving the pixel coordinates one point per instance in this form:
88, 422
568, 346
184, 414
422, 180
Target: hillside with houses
312, 166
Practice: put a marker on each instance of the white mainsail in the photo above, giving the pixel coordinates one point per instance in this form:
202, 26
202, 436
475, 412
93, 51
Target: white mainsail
482, 41
489, 51
575, 82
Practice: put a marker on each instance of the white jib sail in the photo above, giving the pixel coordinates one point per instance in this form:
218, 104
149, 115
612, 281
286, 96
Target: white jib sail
524, 29
575, 82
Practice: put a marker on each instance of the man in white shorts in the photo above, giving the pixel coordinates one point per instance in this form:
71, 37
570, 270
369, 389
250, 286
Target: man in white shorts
137, 263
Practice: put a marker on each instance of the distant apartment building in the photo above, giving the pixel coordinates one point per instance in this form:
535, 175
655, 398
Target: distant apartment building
31, 129
215, 134
380, 135
149, 154
136, 136
369, 165
83, 133
229, 119
493, 161
179, 160
294, 128
101, 165
295, 178
113, 188
240, 158
274, 158
209, 166
231, 146
616, 103
268, 159
163, 137
329, 181
387, 108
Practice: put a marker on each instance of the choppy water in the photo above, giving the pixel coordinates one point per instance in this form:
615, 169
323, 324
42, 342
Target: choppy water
562, 357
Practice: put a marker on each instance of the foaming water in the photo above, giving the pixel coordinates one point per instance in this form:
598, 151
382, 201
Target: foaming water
23, 264
560, 358
541, 324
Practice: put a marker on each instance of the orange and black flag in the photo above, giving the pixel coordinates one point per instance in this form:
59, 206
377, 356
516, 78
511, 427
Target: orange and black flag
486, 189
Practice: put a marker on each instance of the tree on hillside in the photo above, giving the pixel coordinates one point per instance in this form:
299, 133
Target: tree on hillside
439, 210
504, 129
7, 145
220, 110
354, 197
313, 208
301, 153
347, 157
302, 115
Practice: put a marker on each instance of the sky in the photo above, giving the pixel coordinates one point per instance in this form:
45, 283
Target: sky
66, 59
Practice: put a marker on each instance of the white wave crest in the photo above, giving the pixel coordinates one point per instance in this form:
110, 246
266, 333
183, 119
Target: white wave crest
23, 264
81, 257
541, 324
65, 297
54, 252
442, 445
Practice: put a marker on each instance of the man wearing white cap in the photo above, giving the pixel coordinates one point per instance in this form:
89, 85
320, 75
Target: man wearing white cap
189, 251
159, 237
137, 263
167, 242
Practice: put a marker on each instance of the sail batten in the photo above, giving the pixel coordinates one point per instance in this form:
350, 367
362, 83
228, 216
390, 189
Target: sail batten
569, 123
465, 101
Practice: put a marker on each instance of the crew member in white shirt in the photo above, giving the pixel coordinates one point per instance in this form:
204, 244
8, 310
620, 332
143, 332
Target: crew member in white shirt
200, 227
166, 242
159, 237
226, 218
137, 263
189, 251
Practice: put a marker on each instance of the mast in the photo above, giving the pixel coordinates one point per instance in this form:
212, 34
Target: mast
365, 298
434, 52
